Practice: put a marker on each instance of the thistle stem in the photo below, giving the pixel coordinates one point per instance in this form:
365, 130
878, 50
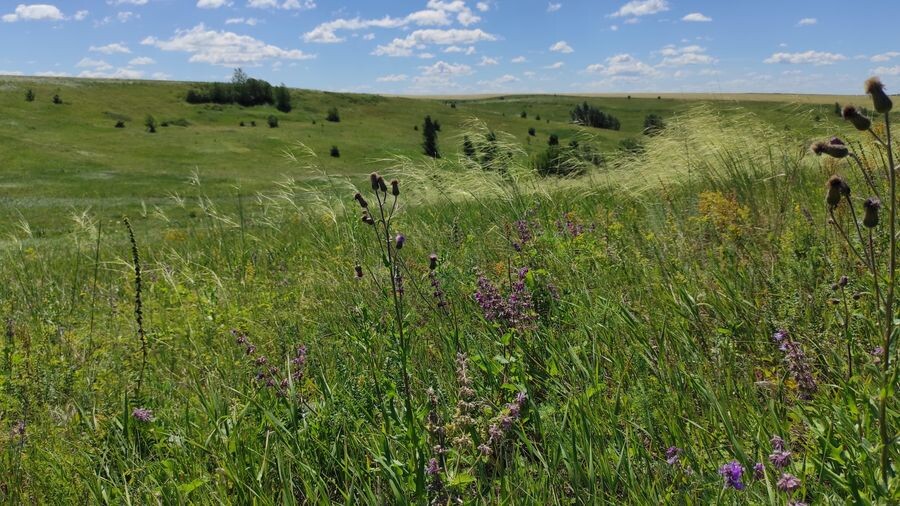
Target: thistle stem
888, 305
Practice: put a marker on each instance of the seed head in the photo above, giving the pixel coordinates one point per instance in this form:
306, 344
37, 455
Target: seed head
362, 202
395, 187
367, 218
837, 188
400, 240
381, 185
875, 88
835, 148
373, 178
432, 261
871, 206
842, 282
852, 114
359, 271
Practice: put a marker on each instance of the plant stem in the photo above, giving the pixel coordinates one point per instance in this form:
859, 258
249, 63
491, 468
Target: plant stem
888, 305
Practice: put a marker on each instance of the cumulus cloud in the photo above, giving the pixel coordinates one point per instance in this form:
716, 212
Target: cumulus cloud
807, 22
696, 17
887, 71
142, 60
519, 59
555, 66
483, 6
486, 61
119, 73
443, 68
806, 57
34, 12
436, 13
128, 2
553, 7
688, 55
641, 8
561, 47
80, 15
242, 21
224, 48
285, 5
883, 57
500, 81
110, 49
212, 4
622, 65
420, 39
392, 78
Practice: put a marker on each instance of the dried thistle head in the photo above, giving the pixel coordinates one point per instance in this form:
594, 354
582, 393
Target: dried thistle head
859, 121
835, 148
395, 187
871, 206
381, 185
373, 178
362, 201
875, 88
837, 188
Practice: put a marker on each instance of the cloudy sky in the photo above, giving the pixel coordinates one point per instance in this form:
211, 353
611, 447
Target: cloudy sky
464, 46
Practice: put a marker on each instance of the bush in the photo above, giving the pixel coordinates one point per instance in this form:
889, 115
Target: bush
283, 99
242, 123
333, 115
120, 124
273, 121
631, 145
589, 115
653, 124
531, 131
335, 152
537, 118
242, 90
430, 131
553, 140
453, 105
29, 95
57, 100
523, 115
253, 123
150, 123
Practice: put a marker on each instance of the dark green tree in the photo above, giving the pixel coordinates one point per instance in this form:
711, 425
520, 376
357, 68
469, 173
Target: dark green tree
430, 138
29, 95
553, 140
273, 121
283, 99
57, 100
333, 115
150, 123
335, 152
532, 131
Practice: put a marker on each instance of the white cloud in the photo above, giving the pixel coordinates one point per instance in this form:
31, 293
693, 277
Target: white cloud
93, 64
561, 47
887, 71
369, 36
51, 73
623, 65
436, 13
392, 78
419, 39
81, 15
129, 2
614, 28
641, 8
483, 6
34, 12
242, 21
456, 49
224, 48
485, 61
555, 66
119, 73
807, 22
285, 5
161, 76
212, 4
142, 60
467, 18
696, 17
687, 55
500, 81
11, 73
519, 59
806, 57
553, 7
425, 56
110, 49
443, 68
883, 57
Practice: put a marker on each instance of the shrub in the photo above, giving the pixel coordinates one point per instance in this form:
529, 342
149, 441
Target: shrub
120, 124
537, 118
553, 140
253, 123
335, 152
333, 115
429, 138
589, 115
453, 105
242, 123
631, 145
272, 121
57, 100
283, 99
468, 147
653, 124
242, 90
150, 123
523, 115
29, 95
531, 131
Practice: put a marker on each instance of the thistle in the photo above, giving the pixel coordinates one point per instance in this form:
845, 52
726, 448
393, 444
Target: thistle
362, 201
837, 188
852, 114
834, 148
871, 206
395, 187
875, 88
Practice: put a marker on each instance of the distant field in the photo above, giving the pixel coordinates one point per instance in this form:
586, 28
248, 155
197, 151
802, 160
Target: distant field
63, 159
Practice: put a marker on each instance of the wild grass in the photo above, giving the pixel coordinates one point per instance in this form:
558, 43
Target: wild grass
615, 338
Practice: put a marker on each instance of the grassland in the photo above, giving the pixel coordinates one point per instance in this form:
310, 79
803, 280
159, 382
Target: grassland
618, 337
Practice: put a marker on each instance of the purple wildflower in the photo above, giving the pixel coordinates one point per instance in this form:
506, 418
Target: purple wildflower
18, 429
759, 471
779, 335
780, 459
433, 468
438, 292
432, 261
788, 483
400, 240
672, 454
358, 271
777, 443
732, 473
142, 414
799, 367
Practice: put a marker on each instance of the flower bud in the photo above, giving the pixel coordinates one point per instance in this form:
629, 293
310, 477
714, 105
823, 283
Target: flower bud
837, 188
395, 187
836, 148
853, 115
373, 178
367, 218
359, 271
432, 261
381, 185
871, 206
362, 201
875, 88
400, 240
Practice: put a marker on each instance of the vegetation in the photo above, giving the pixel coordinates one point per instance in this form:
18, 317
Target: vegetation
653, 124
56, 99
333, 115
283, 99
29, 95
430, 138
242, 90
150, 124
532, 132
335, 152
589, 115
272, 121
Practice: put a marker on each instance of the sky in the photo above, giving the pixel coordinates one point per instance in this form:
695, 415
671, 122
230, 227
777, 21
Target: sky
464, 46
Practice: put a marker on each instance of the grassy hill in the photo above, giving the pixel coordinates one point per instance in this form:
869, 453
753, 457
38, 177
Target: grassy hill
69, 157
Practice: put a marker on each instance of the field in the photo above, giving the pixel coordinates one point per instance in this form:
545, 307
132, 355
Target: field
687, 323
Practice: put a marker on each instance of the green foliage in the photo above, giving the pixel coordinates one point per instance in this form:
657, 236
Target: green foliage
588, 115
56, 99
333, 115
272, 121
653, 124
242, 90
150, 124
283, 99
29, 95
532, 132
120, 124
335, 152
430, 131
553, 140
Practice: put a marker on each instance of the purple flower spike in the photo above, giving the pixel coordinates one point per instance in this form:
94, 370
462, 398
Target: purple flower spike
672, 454
142, 415
759, 471
732, 473
788, 483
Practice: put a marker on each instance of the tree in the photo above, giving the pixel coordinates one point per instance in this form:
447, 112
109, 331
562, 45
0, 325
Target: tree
653, 124
333, 115
150, 123
57, 100
553, 140
273, 121
523, 115
335, 152
120, 124
429, 138
531, 131
537, 118
589, 115
283, 99
29, 95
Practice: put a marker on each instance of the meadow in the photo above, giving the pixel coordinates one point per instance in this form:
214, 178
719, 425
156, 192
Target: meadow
216, 314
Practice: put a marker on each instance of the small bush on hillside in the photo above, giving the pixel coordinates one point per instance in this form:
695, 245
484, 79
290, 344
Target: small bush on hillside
537, 118
150, 123
333, 115
589, 115
653, 124
335, 152
57, 100
242, 123
429, 137
523, 115
631, 145
120, 124
532, 131
272, 121
253, 123
29, 95
553, 140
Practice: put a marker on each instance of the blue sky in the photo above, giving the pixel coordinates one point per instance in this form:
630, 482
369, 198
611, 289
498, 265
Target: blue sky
464, 46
